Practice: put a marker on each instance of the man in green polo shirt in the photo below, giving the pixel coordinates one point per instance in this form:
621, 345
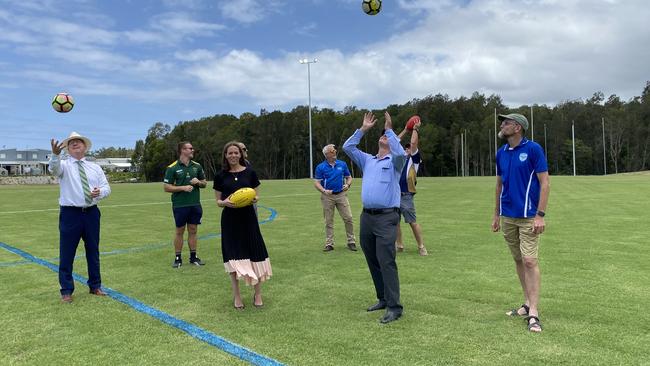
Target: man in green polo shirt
183, 178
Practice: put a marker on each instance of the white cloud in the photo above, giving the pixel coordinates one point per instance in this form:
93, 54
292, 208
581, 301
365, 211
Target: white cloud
306, 29
183, 25
527, 52
249, 11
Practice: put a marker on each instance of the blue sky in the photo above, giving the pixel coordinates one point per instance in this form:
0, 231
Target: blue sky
130, 64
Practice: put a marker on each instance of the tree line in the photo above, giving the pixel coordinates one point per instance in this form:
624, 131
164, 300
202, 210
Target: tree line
278, 142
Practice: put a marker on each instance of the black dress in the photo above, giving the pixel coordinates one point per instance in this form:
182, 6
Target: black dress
242, 245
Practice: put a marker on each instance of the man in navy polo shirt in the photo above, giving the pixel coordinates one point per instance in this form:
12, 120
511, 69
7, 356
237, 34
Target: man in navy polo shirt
522, 191
407, 182
332, 180
381, 200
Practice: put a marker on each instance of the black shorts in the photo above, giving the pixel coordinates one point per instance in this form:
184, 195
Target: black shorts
188, 215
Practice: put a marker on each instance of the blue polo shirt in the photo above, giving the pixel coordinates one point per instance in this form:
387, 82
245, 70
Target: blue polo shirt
380, 184
518, 167
332, 177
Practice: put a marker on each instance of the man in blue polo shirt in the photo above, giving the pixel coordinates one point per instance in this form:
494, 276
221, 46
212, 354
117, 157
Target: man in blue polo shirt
380, 195
522, 191
332, 180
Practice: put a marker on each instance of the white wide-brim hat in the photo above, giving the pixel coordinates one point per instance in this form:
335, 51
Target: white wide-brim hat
77, 136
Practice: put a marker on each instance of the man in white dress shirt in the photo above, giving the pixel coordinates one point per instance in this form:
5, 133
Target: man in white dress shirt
82, 184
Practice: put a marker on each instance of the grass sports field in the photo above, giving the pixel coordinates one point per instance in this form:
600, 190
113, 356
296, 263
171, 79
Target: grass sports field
594, 263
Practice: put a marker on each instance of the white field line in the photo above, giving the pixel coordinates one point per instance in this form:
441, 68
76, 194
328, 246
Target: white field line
141, 204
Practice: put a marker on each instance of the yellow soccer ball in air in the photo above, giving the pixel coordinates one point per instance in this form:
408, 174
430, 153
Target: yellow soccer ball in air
371, 7
242, 197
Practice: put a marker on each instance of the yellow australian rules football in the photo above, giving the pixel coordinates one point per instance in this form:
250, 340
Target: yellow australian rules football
242, 197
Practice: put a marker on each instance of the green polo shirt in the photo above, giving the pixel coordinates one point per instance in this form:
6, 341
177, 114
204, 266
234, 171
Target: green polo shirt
178, 174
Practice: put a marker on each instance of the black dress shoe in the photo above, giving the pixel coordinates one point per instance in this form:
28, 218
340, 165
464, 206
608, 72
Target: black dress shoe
378, 306
390, 316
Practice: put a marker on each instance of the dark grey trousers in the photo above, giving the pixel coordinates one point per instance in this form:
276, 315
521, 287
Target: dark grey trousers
377, 235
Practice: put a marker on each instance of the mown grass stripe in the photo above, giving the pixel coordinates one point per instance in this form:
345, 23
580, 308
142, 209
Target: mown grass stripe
191, 329
147, 247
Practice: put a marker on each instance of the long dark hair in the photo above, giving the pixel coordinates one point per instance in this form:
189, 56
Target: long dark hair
224, 163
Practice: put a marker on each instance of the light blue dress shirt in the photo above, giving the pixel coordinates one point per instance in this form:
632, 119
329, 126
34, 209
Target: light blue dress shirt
380, 184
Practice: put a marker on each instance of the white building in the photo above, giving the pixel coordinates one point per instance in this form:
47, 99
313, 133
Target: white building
21, 162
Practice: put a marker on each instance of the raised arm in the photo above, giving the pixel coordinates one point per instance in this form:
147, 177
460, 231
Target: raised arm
55, 162
415, 137
350, 145
397, 152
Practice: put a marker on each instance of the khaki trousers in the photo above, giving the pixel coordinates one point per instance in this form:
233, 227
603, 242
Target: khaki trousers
340, 202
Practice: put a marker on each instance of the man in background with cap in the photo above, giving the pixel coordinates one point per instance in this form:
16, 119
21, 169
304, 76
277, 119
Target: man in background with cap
522, 191
82, 184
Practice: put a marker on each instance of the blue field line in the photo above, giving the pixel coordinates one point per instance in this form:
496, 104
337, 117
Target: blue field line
191, 329
16, 263
146, 247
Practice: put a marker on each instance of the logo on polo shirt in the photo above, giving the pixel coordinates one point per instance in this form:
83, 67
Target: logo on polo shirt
523, 157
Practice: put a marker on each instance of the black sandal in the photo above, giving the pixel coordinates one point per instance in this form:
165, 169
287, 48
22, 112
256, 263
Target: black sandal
515, 312
535, 324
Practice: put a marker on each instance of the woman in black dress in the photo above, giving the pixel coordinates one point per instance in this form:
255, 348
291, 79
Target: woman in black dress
242, 245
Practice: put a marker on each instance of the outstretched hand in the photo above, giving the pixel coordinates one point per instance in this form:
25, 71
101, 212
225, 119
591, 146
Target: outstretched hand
56, 146
369, 121
388, 125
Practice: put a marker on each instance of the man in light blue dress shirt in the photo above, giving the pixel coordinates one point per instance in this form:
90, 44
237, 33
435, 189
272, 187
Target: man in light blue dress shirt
380, 195
82, 184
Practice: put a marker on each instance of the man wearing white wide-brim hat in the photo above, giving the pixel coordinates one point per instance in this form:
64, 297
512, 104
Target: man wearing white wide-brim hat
82, 184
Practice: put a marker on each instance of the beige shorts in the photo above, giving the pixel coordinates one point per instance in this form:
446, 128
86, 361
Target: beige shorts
521, 239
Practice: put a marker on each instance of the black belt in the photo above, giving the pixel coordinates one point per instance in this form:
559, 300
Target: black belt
407, 193
379, 211
337, 192
82, 209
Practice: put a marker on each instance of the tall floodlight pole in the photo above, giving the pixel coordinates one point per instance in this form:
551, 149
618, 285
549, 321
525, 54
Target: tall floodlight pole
311, 150
532, 125
462, 155
490, 148
604, 156
545, 145
495, 141
573, 138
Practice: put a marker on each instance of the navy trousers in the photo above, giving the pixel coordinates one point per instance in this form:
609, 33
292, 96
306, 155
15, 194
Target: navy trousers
378, 233
77, 223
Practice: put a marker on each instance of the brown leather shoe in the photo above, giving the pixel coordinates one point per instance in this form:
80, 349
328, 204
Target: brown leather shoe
98, 292
66, 299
